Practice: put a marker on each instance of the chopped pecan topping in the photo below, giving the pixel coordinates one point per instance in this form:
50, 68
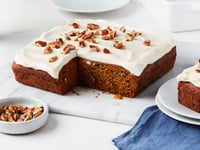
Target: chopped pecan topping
68, 48
109, 28
113, 34
94, 48
75, 25
53, 59
92, 40
129, 37
76, 39
197, 70
47, 50
92, 26
54, 44
104, 32
96, 33
122, 29
107, 51
57, 43
88, 35
72, 33
60, 41
81, 43
67, 38
106, 37
40, 43
147, 42
118, 45
138, 33
81, 34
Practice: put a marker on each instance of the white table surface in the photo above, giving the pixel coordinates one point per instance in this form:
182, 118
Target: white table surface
21, 22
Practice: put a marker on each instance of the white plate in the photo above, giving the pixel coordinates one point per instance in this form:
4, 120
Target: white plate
89, 6
174, 115
168, 97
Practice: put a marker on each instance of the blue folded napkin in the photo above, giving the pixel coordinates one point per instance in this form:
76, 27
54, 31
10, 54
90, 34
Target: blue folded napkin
156, 131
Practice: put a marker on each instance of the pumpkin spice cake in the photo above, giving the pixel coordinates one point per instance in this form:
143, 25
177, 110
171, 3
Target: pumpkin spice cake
96, 54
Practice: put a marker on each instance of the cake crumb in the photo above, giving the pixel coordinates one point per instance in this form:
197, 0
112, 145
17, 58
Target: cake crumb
75, 92
118, 96
97, 95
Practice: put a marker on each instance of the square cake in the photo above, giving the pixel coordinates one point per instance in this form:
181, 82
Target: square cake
96, 54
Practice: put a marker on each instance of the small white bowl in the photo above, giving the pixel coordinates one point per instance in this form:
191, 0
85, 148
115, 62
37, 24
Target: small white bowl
25, 126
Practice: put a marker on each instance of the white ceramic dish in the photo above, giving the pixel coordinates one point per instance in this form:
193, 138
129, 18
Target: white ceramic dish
167, 94
176, 116
25, 126
89, 6
175, 15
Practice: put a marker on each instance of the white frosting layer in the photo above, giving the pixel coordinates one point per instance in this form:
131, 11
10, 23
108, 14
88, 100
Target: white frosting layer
190, 75
134, 57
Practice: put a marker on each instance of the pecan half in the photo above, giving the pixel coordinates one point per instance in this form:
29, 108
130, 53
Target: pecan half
53, 59
40, 43
60, 41
122, 29
104, 32
72, 33
197, 70
129, 37
147, 42
81, 43
68, 48
75, 25
91, 26
88, 35
118, 45
92, 40
67, 38
57, 43
47, 50
94, 48
106, 51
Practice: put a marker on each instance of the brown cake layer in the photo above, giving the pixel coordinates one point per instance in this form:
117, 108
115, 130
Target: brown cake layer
40, 79
189, 95
98, 75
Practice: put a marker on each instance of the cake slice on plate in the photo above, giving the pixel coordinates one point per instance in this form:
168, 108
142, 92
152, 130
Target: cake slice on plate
189, 87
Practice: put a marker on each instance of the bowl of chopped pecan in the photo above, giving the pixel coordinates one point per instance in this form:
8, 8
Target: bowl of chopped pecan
20, 115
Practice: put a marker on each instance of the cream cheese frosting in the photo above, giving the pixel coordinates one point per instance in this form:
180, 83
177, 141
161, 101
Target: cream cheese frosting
191, 74
134, 57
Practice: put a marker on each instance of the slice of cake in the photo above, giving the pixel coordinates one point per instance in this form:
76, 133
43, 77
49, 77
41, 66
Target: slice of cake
96, 54
189, 87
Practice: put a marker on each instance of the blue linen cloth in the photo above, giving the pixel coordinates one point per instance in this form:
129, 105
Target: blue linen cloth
156, 131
